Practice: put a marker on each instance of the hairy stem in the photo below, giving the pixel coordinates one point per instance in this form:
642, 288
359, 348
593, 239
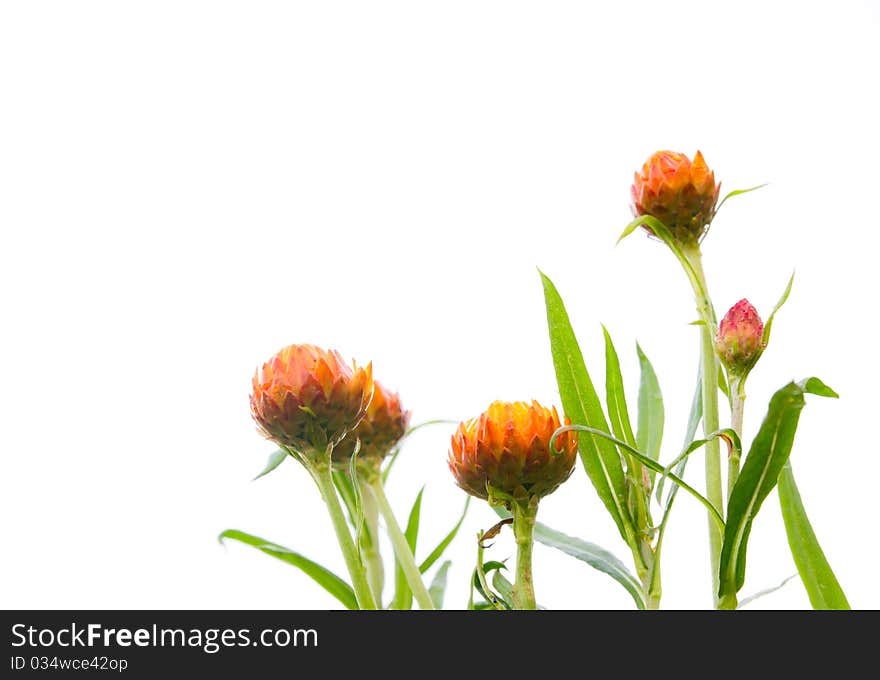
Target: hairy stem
324, 480
524, 529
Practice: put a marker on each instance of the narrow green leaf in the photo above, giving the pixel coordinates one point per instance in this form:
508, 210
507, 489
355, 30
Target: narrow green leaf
694, 417
503, 586
766, 337
738, 192
650, 464
817, 387
615, 396
767, 456
582, 406
594, 555
437, 552
438, 585
649, 433
275, 459
402, 594
322, 576
344, 487
729, 435
818, 578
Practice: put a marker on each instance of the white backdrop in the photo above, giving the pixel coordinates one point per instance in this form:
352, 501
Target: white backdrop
185, 187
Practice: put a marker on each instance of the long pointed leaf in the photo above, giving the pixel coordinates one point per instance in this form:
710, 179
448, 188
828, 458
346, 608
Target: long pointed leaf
594, 555
402, 594
737, 192
767, 326
437, 552
275, 459
438, 585
818, 578
647, 462
729, 435
615, 396
694, 417
767, 456
325, 578
582, 406
649, 432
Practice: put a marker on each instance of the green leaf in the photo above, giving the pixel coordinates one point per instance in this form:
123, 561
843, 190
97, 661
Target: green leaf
649, 433
650, 464
738, 192
503, 586
437, 552
729, 435
766, 337
275, 459
438, 585
346, 491
582, 406
322, 576
482, 586
694, 417
818, 578
767, 456
594, 555
615, 396
402, 594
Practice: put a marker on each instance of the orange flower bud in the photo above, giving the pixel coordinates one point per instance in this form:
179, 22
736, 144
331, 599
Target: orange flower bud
382, 427
680, 193
505, 452
740, 338
308, 398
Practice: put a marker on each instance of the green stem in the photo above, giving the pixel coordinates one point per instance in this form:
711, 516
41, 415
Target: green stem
401, 548
324, 480
524, 529
709, 372
370, 548
737, 406
651, 587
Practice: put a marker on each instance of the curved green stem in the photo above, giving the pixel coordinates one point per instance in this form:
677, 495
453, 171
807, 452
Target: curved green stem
401, 547
324, 479
524, 529
710, 407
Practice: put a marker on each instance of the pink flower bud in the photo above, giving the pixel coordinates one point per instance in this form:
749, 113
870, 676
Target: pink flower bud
740, 338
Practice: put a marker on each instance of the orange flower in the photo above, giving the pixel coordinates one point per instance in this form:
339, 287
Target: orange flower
680, 193
506, 450
740, 338
383, 426
308, 398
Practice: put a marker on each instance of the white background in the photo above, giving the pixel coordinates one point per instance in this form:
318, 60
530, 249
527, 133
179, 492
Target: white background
185, 187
